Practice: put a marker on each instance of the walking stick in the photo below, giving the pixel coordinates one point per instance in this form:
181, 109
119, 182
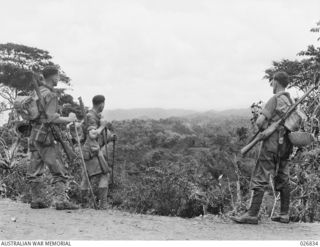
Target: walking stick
113, 154
85, 169
105, 139
276, 197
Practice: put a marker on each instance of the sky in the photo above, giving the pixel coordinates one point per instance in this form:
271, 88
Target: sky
190, 54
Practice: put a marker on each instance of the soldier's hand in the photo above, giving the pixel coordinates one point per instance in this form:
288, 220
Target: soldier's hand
103, 122
114, 137
109, 126
72, 117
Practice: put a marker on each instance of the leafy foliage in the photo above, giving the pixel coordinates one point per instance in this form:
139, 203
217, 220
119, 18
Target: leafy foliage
17, 65
177, 167
17, 60
301, 72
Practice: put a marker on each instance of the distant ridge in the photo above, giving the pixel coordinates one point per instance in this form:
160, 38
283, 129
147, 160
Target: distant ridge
145, 113
160, 113
245, 112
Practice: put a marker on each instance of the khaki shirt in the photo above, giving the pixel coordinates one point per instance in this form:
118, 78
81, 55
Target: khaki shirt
40, 130
274, 109
92, 147
50, 105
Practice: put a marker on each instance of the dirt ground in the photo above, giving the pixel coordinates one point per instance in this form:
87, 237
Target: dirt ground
18, 221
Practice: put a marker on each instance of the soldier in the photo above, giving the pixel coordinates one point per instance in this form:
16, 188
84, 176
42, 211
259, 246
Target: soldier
44, 149
273, 155
95, 161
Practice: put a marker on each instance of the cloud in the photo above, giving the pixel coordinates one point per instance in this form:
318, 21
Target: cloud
172, 54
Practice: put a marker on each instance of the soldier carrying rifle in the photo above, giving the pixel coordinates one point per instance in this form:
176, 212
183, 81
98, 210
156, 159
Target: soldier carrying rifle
95, 158
43, 145
273, 156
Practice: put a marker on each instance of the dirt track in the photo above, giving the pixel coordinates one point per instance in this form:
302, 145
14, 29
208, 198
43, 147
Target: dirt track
112, 225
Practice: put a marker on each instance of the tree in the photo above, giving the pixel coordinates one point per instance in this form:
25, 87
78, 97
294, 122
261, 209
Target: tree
301, 72
316, 29
17, 63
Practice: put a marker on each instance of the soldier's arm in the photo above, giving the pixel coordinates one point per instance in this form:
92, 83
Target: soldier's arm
93, 133
261, 121
51, 111
266, 113
93, 129
64, 120
111, 136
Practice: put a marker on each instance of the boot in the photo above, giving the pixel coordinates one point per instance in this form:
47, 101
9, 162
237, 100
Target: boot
102, 196
84, 199
36, 196
251, 217
284, 207
61, 201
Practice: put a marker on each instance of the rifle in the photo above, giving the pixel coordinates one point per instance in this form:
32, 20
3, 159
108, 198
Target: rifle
113, 154
85, 169
85, 120
54, 128
105, 136
105, 140
65, 145
261, 135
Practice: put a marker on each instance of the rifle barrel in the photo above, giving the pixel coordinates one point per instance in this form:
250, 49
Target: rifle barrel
85, 169
267, 132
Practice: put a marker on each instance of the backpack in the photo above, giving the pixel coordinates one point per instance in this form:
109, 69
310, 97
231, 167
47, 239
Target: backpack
27, 107
293, 122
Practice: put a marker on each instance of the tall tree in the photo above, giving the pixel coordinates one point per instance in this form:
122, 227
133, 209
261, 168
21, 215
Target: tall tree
17, 63
301, 72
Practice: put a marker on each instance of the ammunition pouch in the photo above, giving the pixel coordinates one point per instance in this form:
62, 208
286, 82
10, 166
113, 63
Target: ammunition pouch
86, 155
41, 134
103, 163
284, 144
89, 154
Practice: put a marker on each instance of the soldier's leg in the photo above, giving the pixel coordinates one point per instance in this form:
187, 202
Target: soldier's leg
265, 167
35, 170
282, 185
51, 159
86, 196
84, 189
103, 188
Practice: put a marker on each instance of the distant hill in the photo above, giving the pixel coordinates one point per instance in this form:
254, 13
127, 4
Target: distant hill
145, 113
159, 113
246, 112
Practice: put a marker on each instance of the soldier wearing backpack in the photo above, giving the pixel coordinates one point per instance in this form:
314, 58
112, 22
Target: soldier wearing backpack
43, 147
95, 159
273, 155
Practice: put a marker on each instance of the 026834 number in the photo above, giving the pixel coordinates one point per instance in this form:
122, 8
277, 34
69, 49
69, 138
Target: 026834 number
308, 243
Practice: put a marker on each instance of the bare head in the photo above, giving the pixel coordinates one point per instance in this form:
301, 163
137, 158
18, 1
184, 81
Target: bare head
51, 75
98, 102
280, 81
